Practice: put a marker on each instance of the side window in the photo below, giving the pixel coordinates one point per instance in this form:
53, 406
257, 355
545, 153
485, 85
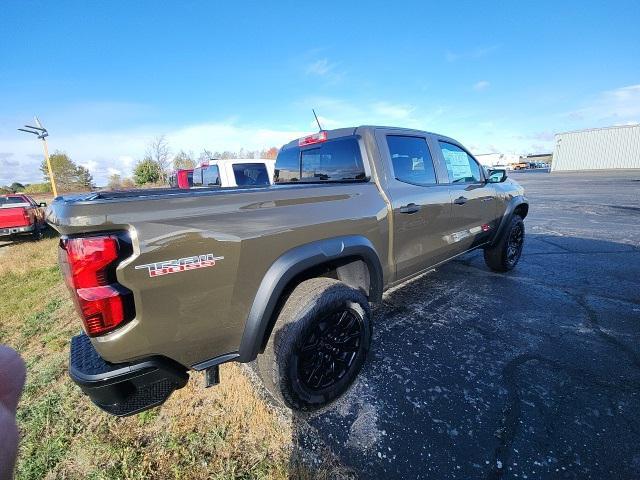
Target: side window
287, 166
333, 160
211, 176
197, 176
461, 166
251, 174
411, 159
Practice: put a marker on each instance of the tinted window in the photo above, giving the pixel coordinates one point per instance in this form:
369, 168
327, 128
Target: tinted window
333, 160
251, 174
411, 159
197, 176
12, 200
210, 176
461, 166
287, 166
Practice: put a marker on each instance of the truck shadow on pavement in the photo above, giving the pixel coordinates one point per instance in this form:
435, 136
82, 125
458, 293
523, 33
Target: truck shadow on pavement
473, 374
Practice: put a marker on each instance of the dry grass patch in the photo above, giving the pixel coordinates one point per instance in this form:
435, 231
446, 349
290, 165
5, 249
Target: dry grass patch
221, 432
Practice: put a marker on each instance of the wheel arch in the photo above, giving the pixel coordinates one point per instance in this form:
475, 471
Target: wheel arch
518, 205
351, 259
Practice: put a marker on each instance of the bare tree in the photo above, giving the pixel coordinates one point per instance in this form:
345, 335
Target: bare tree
115, 182
128, 183
205, 156
158, 150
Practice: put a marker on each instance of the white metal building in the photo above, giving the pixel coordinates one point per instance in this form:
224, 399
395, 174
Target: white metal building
493, 159
597, 149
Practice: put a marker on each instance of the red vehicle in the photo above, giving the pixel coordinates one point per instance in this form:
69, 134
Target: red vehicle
21, 214
181, 178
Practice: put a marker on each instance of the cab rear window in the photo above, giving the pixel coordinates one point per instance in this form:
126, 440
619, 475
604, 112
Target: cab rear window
12, 201
335, 160
206, 176
250, 174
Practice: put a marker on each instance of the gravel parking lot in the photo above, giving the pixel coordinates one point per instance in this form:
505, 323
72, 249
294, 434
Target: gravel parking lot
532, 374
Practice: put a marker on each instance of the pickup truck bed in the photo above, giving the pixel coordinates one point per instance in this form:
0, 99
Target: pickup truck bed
201, 277
250, 228
20, 214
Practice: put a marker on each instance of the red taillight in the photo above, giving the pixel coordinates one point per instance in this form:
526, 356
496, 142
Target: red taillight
87, 264
311, 139
89, 259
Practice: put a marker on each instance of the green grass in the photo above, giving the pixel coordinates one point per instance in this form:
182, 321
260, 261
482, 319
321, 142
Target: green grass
222, 433
24, 292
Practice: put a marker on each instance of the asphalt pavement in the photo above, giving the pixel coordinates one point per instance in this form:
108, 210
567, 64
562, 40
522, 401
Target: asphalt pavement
531, 374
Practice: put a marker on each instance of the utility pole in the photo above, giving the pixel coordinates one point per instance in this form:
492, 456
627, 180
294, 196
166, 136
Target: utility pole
42, 134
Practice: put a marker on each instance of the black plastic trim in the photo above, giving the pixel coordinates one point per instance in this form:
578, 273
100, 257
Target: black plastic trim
506, 218
123, 388
293, 263
215, 361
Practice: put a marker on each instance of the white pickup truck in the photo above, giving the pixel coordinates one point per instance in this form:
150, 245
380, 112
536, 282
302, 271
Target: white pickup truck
234, 172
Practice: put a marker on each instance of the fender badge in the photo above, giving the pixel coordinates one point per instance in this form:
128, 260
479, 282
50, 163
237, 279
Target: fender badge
180, 264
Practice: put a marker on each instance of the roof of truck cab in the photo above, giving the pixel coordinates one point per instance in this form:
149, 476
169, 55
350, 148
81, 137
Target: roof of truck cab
348, 131
237, 161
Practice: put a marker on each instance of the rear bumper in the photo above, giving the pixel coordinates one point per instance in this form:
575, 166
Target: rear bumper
123, 388
15, 230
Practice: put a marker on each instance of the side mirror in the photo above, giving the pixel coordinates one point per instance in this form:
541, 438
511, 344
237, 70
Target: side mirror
42, 204
496, 176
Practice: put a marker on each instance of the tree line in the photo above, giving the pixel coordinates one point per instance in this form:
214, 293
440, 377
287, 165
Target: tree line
69, 176
152, 170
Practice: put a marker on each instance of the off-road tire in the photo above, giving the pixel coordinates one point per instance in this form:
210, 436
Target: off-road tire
37, 233
313, 305
498, 257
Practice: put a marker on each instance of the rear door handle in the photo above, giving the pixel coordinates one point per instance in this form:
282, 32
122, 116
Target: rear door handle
460, 200
411, 208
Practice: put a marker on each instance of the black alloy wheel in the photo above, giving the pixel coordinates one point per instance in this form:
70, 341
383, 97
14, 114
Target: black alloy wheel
330, 349
318, 345
515, 243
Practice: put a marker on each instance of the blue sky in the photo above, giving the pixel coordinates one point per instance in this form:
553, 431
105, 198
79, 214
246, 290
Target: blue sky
106, 77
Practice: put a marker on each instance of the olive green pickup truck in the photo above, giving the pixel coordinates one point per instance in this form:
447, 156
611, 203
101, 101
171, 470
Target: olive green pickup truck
282, 276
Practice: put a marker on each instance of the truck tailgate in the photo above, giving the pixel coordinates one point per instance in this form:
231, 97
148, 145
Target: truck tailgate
14, 217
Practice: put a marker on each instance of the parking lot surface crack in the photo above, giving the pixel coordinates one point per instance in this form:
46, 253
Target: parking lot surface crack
593, 323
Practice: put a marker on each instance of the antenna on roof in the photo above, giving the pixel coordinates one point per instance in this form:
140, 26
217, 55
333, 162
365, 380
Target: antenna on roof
318, 121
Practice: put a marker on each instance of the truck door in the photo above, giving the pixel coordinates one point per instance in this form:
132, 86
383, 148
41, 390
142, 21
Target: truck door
474, 207
421, 205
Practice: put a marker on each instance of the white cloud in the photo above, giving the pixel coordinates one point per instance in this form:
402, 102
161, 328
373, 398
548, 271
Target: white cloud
393, 111
227, 136
481, 85
337, 112
615, 107
326, 123
320, 67
108, 152
324, 69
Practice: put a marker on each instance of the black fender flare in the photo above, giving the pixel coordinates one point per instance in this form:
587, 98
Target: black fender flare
506, 217
287, 267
